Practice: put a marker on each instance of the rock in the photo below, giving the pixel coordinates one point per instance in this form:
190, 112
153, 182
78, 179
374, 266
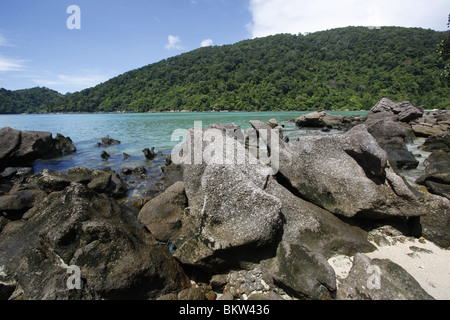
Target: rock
377, 279
33, 145
61, 146
218, 282
391, 136
435, 225
108, 182
221, 231
49, 181
355, 179
241, 283
107, 141
10, 141
438, 141
78, 227
139, 171
431, 123
22, 147
105, 155
163, 215
168, 297
17, 203
149, 154
321, 119
191, 294
311, 120
172, 173
384, 105
98, 180
226, 297
16, 173
405, 111
436, 175
303, 273
273, 123
228, 230
318, 230
126, 156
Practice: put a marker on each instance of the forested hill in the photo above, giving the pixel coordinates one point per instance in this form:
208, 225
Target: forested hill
26, 100
346, 68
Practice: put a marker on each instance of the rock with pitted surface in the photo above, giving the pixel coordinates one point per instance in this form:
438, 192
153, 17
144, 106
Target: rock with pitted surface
117, 259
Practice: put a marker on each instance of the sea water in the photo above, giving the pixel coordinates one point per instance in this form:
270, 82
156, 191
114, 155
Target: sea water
137, 131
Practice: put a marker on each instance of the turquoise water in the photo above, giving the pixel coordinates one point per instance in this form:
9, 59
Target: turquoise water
136, 132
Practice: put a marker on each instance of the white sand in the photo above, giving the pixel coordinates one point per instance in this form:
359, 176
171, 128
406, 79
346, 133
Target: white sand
430, 269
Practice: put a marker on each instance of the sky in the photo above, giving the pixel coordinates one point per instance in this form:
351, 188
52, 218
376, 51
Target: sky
72, 45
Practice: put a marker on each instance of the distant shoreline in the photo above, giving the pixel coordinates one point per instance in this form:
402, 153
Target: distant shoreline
182, 111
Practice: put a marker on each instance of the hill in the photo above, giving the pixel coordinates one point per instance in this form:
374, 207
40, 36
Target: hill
345, 68
26, 100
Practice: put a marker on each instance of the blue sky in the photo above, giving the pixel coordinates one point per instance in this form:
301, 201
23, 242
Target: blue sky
38, 49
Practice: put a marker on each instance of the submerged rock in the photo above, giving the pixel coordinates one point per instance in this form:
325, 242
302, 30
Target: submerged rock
149, 154
107, 141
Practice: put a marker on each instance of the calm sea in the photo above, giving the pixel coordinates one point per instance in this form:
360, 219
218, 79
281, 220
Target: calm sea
136, 132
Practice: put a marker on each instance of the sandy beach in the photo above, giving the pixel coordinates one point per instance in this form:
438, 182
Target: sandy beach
422, 259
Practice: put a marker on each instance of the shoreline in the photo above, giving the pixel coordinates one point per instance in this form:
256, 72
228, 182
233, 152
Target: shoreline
179, 111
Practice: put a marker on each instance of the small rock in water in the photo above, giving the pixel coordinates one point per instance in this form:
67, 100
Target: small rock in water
105, 155
107, 141
126, 156
149, 154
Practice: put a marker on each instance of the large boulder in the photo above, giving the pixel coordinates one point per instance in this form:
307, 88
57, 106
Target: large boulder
391, 135
163, 215
347, 174
21, 147
78, 227
436, 175
432, 123
438, 141
377, 279
316, 229
320, 119
405, 111
230, 217
435, 225
303, 273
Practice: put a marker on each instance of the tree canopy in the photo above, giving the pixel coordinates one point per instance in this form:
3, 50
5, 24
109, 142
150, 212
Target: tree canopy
346, 68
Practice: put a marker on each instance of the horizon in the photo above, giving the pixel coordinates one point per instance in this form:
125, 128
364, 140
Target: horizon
69, 46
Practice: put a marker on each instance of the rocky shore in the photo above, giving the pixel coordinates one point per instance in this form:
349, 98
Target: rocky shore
314, 219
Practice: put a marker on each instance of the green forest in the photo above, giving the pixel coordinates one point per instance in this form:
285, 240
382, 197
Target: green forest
346, 68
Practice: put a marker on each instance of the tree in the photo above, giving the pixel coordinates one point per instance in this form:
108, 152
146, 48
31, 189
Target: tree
443, 50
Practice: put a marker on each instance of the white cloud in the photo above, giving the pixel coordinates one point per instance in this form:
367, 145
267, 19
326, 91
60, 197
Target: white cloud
174, 43
206, 43
299, 16
3, 41
7, 64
